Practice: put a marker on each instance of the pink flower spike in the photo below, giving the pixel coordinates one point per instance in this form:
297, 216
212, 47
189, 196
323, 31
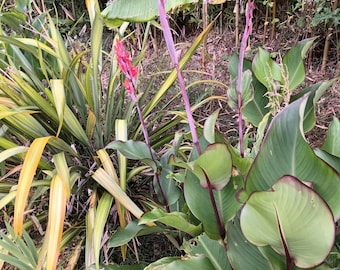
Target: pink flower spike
124, 62
130, 89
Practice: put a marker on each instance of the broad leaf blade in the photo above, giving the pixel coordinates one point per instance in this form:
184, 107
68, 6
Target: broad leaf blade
304, 219
267, 71
215, 164
332, 142
176, 220
293, 63
136, 11
242, 254
212, 249
124, 235
285, 152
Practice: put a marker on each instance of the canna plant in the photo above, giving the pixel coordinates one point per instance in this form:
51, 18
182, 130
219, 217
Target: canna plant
273, 204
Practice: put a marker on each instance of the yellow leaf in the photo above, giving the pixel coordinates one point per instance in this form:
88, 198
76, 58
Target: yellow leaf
56, 216
25, 180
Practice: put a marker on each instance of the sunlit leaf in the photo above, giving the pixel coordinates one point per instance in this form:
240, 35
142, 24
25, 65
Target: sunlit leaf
293, 65
215, 170
104, 179
56, 217
175, 263
293, 156
57, 87
176, 220
291, 218
26, 177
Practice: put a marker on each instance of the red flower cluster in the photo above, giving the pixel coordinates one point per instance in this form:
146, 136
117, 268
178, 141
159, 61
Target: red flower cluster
130, 71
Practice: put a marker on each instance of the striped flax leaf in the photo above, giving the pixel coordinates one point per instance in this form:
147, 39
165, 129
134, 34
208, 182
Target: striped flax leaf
25, 180
102, 213
57, 210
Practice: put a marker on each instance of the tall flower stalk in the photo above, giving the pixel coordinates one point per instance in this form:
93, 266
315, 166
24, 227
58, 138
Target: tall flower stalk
246, 34
171, 48
130, 71
174, 59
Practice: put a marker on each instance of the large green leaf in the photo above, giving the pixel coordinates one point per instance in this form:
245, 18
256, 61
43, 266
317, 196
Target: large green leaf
291, 218
135, 150
267, 71
124, 235
203, 245
328, 158
242, 254
213, 165
199, 202
176, 220
170, 188
176, 263
332, 142
285, 152
136, 11
257, 108
246, 91
293, 63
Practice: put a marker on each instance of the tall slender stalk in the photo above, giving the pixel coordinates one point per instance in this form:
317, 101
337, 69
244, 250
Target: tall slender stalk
130, 72
246, 34
172, 51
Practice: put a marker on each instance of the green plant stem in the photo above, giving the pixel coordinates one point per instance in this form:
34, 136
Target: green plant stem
147, 141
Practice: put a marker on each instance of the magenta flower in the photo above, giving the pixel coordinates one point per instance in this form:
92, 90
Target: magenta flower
130, 71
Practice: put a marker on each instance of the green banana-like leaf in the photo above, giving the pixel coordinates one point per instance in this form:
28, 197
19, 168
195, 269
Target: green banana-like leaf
135, 150
293, 65
124, 235
285, 151
242, 254
170, 188
257, 108
267, 71
200, 205
332, 142
246, 91
293, 219
175, 263
212, 249
136, 11
209, 127
176, 220
213, 165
